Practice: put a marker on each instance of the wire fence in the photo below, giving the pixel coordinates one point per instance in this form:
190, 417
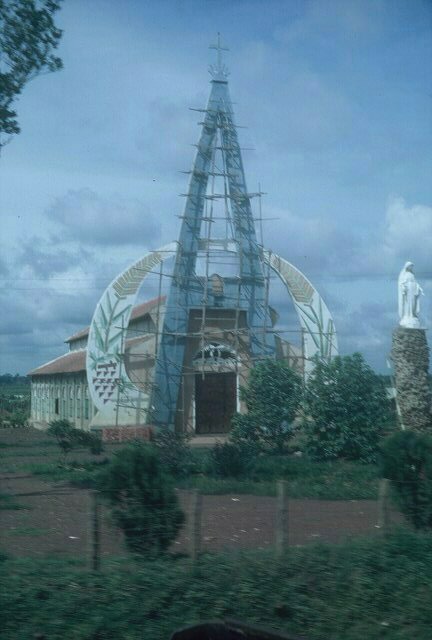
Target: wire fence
67, 521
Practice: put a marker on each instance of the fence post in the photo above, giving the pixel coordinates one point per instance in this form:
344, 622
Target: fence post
195, 515
95, 529
383, 513
281, 517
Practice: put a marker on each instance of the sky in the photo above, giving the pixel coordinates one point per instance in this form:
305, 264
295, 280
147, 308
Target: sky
337, 99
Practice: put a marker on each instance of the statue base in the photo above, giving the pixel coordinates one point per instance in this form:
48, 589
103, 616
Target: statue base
410, 356
410, 323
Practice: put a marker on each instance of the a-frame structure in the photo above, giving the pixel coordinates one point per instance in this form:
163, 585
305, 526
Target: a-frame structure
190, 291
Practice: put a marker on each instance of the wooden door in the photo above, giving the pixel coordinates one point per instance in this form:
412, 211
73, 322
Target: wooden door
215, 402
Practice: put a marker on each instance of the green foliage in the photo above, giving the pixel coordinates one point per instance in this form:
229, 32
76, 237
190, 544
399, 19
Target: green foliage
14, 400
346, 410
69, 438
379, 589
7, 503
407, 462
328, 480
28, 37
174, 452
142, 498
232, 459
272, 398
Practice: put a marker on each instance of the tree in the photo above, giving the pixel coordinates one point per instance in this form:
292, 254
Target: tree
174, 451
407, 463
142, 498
272, 398
346, 409
69, 438
28, 38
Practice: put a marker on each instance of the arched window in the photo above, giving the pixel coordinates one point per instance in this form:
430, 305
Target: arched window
86, 405
71, 402
78, 403
64, 412
43, 401
56, 401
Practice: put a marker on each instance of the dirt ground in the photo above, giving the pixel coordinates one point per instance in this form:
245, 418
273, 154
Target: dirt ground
57, 519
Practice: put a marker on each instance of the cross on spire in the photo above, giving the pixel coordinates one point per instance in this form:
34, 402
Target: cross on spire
219, 71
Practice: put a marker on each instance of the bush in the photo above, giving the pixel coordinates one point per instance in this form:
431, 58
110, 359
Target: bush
68, 438
232, 460
272, 398
347, 409
174, 451
407, 463
142, 498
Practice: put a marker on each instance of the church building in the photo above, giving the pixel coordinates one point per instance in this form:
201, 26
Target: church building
179, 360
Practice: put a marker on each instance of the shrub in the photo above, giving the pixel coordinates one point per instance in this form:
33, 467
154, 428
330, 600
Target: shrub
69, 438
174, 451
142, 498
347, 409
272, 398
407, 463
232, 459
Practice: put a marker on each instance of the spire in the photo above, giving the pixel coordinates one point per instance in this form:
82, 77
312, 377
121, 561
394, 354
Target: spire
218, 154
219, 71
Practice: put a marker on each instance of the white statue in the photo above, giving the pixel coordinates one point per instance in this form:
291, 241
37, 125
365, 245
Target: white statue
409, 292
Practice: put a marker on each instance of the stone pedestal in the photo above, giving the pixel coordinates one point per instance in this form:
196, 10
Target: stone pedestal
410, 356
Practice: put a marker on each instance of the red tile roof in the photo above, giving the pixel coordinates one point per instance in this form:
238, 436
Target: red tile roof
138, 312
71, 362
75, 361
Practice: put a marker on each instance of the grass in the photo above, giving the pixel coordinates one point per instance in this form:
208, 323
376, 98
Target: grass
28, 452
223, 486
26, 531
327, 481
337, 480
79, 474
375, 589
7, 503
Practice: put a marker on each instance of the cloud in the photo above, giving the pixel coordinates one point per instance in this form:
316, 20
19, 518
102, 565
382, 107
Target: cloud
46, 261
367, 329
93, 220
408, 235
317, 246
357, 19
4, 270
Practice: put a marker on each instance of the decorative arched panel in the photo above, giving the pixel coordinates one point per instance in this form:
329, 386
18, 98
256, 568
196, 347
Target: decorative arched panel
319, 334
112, 392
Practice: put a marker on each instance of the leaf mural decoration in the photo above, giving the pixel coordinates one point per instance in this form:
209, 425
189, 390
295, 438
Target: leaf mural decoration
304, 310
312, 334
105, 344
114, 339
300, 288
99, 338
312, 312
124, 312
129, 282
104, 318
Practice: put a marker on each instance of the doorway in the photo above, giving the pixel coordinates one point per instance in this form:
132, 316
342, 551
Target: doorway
215, 402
